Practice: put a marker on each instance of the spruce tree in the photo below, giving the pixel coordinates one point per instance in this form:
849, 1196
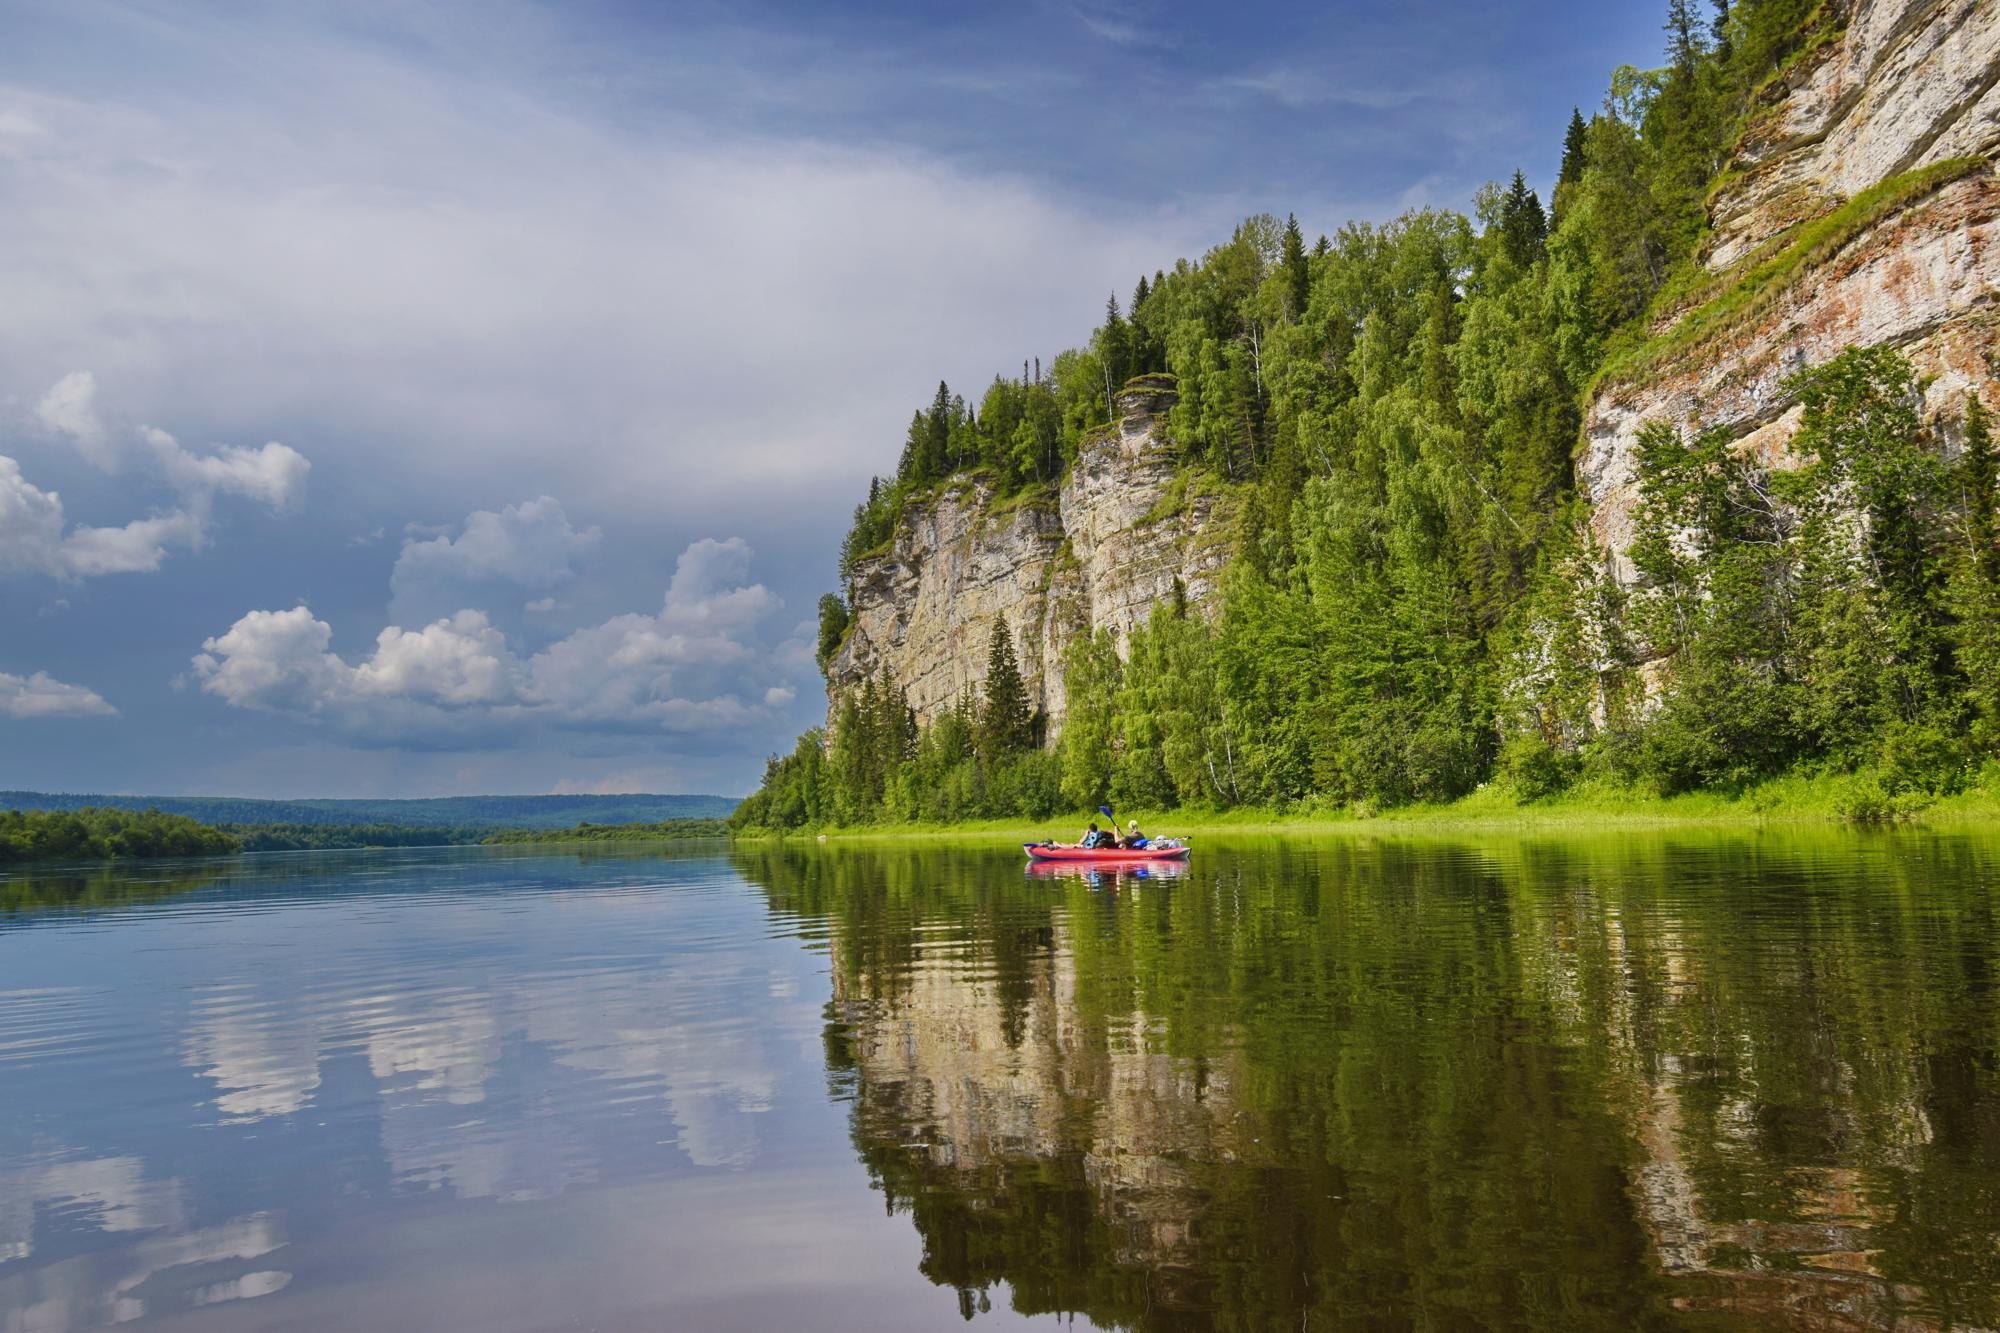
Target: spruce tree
1523, 228
1007, 726
1114, 347
1298, 278
1975, 582
1572, 163
1978, 472
937, 435
1684, 41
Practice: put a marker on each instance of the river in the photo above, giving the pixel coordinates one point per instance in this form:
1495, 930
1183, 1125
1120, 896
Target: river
1647, 1080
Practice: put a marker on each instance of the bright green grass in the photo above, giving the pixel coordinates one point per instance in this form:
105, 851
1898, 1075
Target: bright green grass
1792, 799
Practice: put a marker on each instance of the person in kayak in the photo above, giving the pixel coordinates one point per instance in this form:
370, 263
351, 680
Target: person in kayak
1092, 838
1134, 839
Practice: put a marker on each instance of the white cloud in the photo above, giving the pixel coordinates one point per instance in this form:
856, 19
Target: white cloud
462, 660
274, 474
1121, 24
530, 546
698, 665
1302, 89
69, 408
696, 315
137, 547
35, 539
33, 535
274, 660
41, 695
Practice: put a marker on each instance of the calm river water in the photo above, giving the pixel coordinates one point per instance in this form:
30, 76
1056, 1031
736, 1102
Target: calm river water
1749, 1080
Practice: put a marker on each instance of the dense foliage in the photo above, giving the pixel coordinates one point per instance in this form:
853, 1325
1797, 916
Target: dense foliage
1414, 605
292, 837
95, 834
671, 830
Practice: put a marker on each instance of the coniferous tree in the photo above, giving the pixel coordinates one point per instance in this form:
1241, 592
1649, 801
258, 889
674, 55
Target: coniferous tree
1684, 43
1114, 348
1007, 724
1975, 581
1572, 159
1298, 278
1978, 473
1524, 230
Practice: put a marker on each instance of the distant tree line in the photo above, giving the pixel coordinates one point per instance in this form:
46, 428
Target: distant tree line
289, 837
1414, 606
670, 830
95, 834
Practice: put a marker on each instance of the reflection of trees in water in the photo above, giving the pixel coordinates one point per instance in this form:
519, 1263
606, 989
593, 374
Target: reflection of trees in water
1562, 1083
98, 886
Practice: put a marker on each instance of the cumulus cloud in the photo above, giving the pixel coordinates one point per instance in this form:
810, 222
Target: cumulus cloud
35, 537
529, 547
698, 664
461, 660
274, 660
274, 475
41, 695
69, 409
34, 534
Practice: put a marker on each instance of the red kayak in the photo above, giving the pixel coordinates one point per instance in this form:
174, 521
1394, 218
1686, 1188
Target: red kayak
1050, 851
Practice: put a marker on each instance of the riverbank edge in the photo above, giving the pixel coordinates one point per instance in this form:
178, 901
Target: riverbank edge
1828, 802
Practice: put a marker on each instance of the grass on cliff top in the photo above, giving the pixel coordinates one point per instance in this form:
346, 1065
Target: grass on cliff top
1794, 799
1754, 286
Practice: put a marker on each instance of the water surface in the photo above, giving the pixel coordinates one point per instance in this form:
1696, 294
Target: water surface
1670, 1081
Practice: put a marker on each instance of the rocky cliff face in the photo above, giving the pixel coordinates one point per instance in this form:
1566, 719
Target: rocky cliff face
1907, 85
1124, 526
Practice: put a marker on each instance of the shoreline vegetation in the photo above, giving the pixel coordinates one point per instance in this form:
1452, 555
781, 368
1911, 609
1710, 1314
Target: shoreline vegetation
1822, 800
95, 836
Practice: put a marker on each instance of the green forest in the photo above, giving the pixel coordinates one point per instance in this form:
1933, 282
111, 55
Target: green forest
1414, 608
454, 817
95, 834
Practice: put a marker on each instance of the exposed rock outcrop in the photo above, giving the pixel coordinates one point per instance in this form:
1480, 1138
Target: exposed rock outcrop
1907, 84
1126, 523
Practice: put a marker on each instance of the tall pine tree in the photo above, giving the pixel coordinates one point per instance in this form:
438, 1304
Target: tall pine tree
1298, 278
1523, 228
1006, 726
1572, 163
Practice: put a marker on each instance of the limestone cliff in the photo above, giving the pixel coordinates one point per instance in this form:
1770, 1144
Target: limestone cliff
1124, 525
1861, 208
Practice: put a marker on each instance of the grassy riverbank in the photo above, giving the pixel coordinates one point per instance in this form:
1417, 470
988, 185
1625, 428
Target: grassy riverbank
1793, 799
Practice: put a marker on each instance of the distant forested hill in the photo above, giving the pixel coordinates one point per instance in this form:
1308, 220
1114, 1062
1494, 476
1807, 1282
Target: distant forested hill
460, 812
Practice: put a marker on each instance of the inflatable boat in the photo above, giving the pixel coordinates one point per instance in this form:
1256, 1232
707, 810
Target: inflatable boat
1052, 851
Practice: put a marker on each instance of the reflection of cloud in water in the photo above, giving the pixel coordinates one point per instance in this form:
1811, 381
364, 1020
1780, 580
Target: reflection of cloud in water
151, 1274
264, 1064
712, 1072
112, 1190
449, 1048
677, 1036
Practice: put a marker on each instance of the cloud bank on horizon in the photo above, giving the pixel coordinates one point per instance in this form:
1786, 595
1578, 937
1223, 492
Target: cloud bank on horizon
610, 313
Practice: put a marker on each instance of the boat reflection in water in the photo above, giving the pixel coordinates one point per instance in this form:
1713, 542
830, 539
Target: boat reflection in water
1108, 874
1740, 1081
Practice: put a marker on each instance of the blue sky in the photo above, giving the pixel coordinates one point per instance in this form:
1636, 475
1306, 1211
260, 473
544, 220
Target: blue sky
404, 399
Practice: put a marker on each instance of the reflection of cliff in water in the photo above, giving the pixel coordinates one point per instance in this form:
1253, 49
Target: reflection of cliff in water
1559, 1084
